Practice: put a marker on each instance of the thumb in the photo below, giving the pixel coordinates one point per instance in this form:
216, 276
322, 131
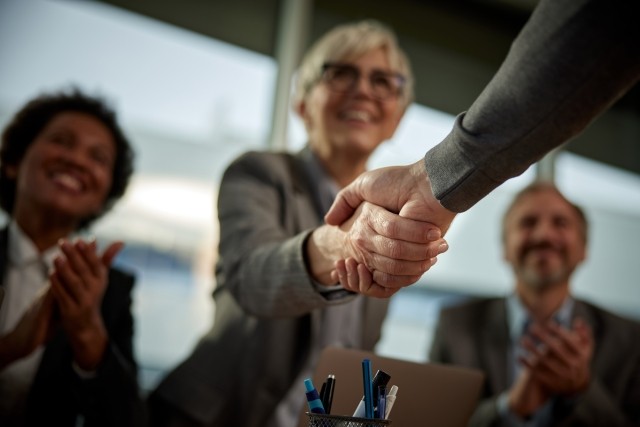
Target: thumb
110, 253
345, 204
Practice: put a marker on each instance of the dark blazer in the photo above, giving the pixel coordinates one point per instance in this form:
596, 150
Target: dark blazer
476, 335
58, 396
267, 311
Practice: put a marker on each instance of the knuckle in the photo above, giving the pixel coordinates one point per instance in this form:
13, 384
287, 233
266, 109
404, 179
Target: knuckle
395, 249
387, 227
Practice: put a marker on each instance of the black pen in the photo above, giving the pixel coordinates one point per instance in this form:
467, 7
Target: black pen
323, 392
328, 396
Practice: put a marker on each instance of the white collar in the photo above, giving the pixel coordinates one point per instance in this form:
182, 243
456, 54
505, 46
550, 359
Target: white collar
22, 251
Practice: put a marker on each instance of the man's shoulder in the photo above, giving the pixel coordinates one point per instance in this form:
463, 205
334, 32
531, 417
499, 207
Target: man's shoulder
473, 308
608, 320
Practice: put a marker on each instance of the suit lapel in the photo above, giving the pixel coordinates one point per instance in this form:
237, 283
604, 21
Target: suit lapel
494, 342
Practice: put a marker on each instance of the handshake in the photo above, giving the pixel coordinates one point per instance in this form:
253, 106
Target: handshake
392, 228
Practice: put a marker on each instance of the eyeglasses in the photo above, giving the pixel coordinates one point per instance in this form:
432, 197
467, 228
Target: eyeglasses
344, 77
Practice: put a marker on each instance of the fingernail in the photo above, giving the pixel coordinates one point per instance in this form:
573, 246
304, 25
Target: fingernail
444, 247
433, 234
434, 260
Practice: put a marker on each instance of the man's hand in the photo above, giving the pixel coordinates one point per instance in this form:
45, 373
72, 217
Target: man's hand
562, 357
405, 192
526, 395
78, 284
401, 248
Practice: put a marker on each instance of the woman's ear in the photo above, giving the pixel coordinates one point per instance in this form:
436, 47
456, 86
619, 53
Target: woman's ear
300, 108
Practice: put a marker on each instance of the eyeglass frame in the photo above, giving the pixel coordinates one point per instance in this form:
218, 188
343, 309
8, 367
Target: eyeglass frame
399, 84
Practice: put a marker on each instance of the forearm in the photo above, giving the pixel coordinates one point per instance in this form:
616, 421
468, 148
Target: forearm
111, 396
271, 280
89, 346
571, 61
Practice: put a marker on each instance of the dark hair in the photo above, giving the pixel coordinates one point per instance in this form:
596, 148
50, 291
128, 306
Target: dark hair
27, 124
539, 186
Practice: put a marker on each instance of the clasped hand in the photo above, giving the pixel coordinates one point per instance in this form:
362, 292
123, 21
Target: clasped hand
557, 364
406, 213
73, 300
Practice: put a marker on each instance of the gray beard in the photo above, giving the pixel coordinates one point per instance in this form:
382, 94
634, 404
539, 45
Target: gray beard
532, 279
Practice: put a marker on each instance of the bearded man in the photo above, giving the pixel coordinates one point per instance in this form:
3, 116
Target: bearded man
550, 359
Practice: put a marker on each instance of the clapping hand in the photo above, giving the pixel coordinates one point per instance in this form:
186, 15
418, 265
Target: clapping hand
78, 283
560, 360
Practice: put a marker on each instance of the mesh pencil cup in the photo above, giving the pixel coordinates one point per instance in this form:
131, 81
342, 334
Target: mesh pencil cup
324, 420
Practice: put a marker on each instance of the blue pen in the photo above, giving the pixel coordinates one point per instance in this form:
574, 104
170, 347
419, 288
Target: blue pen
382, 402
313, 399
368, 389
380, 378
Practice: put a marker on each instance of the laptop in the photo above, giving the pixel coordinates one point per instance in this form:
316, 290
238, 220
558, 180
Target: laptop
428, 394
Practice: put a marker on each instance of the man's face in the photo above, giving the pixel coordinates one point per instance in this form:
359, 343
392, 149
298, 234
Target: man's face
543, 239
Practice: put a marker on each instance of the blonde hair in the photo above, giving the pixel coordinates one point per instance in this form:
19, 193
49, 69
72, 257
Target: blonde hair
349, 41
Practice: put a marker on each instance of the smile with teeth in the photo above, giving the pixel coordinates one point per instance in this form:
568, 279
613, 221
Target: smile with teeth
358, 115
68, 181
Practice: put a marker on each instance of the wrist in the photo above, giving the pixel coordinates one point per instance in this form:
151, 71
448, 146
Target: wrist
319, 255
89, 345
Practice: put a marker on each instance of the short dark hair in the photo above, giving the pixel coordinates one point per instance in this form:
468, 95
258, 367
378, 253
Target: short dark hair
539, 186
29, 121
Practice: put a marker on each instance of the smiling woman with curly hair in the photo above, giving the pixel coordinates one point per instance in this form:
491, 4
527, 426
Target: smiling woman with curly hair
66, 327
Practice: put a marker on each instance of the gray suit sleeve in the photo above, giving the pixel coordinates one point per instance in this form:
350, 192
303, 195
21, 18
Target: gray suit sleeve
264, 224
570, 62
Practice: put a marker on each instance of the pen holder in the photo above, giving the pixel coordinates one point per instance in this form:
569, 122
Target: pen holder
323, 420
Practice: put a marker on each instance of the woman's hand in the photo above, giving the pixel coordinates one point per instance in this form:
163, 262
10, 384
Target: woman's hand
78, 283
399, 250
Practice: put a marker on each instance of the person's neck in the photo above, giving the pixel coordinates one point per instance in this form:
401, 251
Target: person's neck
543, 302
44, 232
342, 168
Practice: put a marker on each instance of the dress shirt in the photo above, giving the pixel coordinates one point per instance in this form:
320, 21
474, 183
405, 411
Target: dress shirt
25, 280
519, 321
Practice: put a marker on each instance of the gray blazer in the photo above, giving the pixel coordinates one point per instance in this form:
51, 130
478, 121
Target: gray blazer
475, 334
267, 310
